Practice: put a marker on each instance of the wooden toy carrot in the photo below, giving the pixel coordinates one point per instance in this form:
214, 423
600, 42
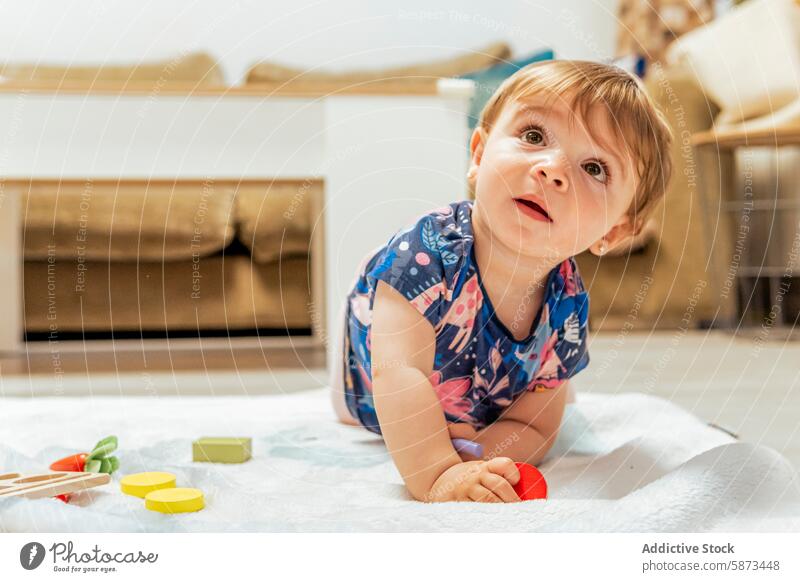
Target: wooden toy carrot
74, 463
99, 460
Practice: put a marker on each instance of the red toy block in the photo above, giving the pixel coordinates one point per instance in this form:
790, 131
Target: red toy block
531, 484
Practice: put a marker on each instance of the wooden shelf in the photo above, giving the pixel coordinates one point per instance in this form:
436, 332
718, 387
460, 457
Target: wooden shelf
734, 138
762, 204
761, 272
399, 86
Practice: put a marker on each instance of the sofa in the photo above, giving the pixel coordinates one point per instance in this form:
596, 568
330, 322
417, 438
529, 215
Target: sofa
143, 259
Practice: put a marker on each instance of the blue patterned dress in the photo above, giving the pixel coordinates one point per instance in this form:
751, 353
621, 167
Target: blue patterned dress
479, 369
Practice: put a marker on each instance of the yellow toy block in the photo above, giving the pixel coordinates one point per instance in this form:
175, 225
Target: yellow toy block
221, 450
175, 500
140, 484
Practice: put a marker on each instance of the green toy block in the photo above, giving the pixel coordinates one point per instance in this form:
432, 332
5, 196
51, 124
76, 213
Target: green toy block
221, 450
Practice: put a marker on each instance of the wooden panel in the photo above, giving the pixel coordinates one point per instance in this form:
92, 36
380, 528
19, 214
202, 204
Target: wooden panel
307, 89
733, 138
10, 263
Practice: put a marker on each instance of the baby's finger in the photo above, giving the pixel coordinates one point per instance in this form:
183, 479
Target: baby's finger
481, 494
500, 487
504, 467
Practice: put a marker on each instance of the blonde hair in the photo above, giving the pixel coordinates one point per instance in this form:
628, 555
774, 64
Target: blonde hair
634, 117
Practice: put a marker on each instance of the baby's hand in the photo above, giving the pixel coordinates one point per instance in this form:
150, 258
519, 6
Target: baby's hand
485, 481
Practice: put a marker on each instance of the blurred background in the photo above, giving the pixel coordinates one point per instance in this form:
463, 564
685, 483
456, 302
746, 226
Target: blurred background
331, 35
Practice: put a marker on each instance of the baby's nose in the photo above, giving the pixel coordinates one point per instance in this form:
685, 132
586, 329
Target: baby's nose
553, 174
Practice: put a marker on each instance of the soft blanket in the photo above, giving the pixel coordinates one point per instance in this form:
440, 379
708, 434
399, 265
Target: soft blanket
621, 463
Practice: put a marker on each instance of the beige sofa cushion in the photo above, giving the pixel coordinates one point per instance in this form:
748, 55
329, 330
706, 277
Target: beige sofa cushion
219, 292
267, 72
276, 220
197, 69
748, 60
126, 221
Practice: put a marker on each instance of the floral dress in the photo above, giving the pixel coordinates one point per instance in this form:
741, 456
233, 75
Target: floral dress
479, 369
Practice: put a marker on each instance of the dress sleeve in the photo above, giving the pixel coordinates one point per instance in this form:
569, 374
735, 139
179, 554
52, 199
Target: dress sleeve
572, 345
566, 351
421, 263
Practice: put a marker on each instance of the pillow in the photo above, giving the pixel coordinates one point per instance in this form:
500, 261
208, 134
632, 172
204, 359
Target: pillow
267, 72
198, 69
489, 79
276, 220
748, 61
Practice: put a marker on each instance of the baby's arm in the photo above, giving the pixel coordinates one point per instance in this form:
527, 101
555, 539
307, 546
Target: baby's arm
412, 421
526, 430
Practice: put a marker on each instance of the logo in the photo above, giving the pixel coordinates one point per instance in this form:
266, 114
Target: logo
31, 555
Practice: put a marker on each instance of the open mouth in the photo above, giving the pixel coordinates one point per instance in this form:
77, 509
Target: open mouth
533, 210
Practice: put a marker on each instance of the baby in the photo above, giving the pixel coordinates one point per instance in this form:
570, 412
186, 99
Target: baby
469, 323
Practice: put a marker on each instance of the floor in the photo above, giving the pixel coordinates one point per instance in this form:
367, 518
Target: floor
747, 384
174, 368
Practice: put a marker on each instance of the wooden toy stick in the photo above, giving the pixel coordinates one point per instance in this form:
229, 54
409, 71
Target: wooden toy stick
28, 483
49, 484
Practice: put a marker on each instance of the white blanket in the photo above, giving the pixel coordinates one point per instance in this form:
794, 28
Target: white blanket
621, 463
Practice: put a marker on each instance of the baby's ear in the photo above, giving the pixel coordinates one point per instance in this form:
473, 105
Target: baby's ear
621, 234
476, 143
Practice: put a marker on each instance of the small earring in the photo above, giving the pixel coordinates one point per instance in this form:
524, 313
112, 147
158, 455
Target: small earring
603, 247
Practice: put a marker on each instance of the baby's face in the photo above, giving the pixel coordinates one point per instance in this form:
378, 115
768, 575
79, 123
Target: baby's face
533, 155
